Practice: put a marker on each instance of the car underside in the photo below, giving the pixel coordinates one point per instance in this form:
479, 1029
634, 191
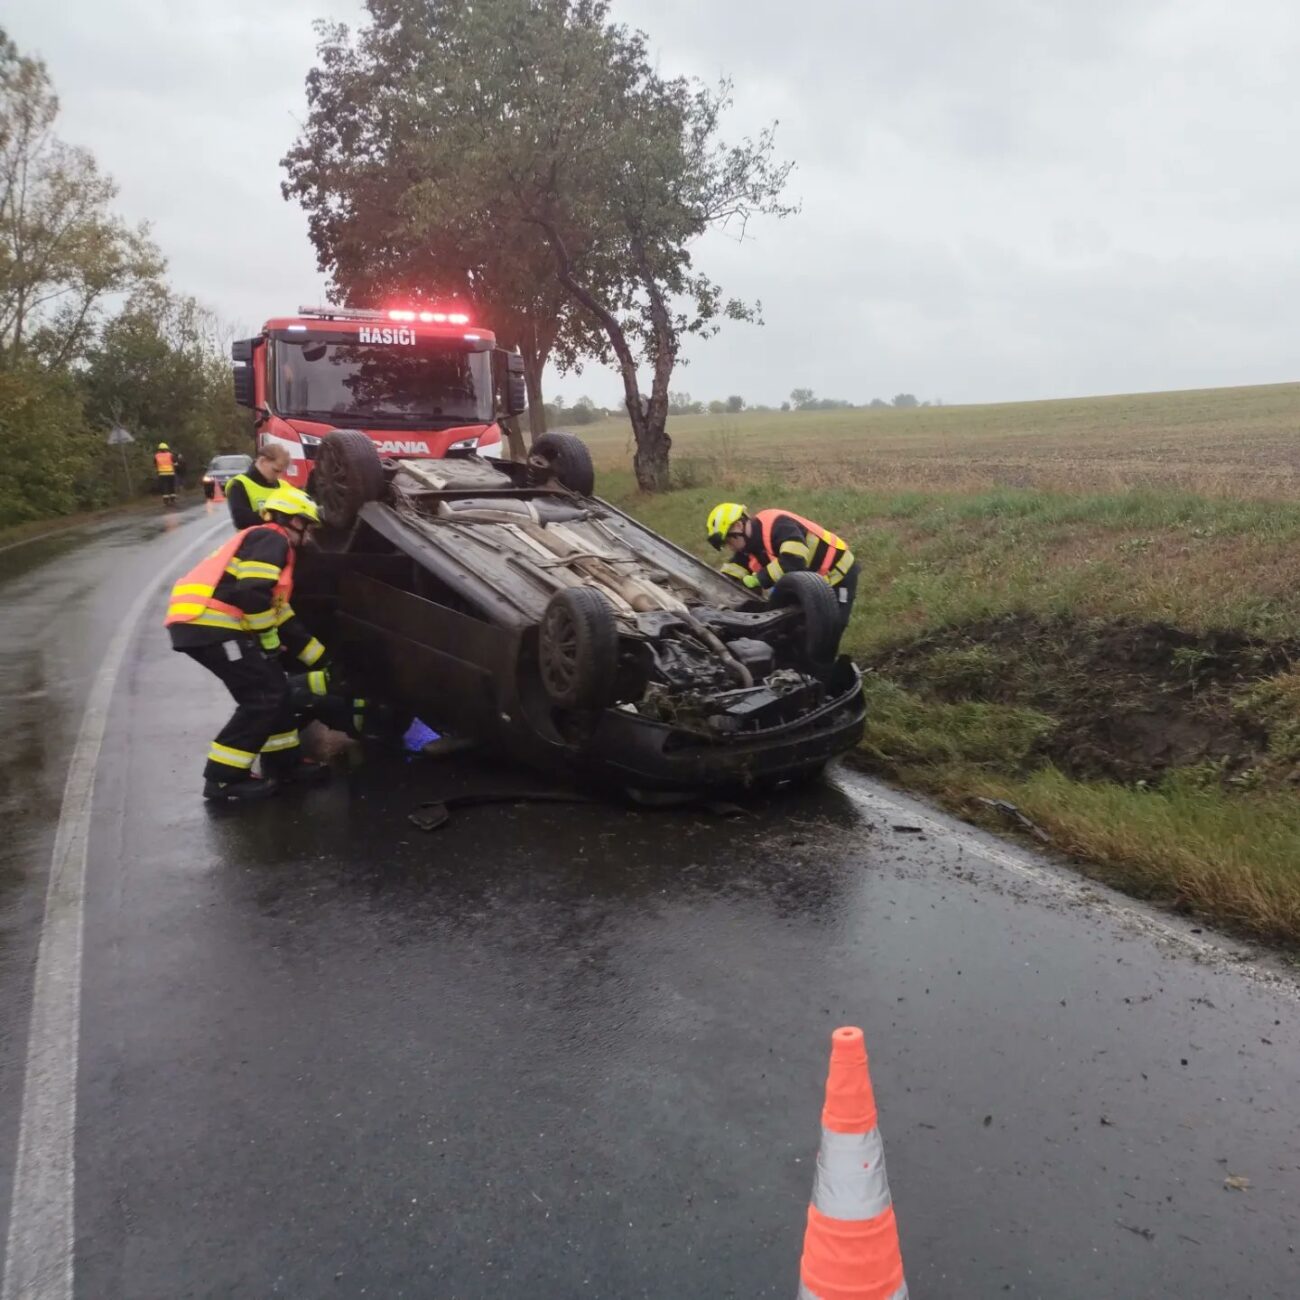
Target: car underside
505, 603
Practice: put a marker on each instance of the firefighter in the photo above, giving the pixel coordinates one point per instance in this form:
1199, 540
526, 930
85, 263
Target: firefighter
769, 544
164, 464
246, 493
231, 613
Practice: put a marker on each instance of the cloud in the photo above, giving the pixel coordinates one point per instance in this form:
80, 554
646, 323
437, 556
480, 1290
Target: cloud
1001, 199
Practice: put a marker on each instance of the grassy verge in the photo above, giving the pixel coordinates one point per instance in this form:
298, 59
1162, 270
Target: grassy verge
1115, 663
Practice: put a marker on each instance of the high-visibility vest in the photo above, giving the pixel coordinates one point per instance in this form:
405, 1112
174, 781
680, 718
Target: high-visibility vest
163, 462
836, 558
192, 599
257, 492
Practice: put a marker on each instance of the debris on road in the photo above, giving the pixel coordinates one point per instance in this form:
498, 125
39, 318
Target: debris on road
1012, 813
1145, 1233
1236, 1183
436, 813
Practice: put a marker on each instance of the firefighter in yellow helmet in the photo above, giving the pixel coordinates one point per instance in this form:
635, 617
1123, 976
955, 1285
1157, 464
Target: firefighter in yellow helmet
231, 613
765, 546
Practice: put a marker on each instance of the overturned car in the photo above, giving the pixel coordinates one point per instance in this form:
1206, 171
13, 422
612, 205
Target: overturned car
505, 602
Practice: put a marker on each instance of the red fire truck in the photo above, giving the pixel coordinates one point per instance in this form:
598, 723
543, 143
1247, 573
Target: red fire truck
418, 382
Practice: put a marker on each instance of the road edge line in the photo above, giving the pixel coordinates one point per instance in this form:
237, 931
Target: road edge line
38, 1262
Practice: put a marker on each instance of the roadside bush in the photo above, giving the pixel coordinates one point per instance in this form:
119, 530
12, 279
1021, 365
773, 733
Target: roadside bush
48, 457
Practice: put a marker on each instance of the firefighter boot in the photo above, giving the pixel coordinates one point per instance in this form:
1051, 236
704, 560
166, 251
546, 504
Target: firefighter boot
247, 789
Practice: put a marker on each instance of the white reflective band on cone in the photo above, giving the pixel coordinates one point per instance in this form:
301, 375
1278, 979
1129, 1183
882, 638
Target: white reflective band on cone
851, 1182
805, 1294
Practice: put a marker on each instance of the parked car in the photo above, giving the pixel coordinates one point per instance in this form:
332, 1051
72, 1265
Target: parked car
220, 470
505, 602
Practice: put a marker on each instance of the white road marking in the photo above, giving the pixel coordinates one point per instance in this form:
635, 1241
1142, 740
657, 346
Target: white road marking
39, 1252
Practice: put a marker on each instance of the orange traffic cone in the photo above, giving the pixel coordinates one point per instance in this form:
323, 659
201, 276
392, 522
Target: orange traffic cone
850, 1248
218, 494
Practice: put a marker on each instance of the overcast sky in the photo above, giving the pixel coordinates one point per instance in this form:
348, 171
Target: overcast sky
1002, 199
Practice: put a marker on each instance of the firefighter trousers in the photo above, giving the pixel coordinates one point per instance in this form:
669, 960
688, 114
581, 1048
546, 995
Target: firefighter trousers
263, 721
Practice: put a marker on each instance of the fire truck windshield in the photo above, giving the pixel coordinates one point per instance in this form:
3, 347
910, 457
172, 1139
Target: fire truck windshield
422, 384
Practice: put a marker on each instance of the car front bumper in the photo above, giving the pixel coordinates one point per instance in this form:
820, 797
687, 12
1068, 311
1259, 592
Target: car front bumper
626, 749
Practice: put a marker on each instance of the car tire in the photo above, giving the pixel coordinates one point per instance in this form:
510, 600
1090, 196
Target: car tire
814, 597
348, 473
566, 460
578, 649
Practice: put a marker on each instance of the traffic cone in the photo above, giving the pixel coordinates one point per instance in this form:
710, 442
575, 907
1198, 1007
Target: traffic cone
850, 1248
218, 493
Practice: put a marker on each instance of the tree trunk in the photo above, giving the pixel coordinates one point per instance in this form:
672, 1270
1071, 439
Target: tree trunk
652, 468
651, 459
652, 441
533, 367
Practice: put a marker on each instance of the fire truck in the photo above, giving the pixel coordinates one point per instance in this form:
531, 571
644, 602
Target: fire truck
419, 383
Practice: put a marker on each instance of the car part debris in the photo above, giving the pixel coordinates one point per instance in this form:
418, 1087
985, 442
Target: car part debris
436, 813
1012, 813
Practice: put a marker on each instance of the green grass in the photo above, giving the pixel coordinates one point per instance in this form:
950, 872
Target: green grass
1216, 442
1180, 509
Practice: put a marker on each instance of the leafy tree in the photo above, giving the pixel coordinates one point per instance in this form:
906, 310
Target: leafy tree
735, 405
583, 411
801, 398
49, 454
353, 167
785, 406
717, 407
158, 369
542, 129
904, 402
62, 253
879, 404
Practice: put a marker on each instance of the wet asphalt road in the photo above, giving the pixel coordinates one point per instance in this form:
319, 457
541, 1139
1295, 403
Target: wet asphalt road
559, 1051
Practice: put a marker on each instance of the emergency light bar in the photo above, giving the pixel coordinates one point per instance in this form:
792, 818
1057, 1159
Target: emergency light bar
397, 314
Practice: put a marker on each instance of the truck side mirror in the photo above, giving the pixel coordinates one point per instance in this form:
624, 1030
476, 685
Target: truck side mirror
241, 354
514, 391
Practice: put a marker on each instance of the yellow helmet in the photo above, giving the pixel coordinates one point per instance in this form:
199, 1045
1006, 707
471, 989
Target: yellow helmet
162, 446
291, 503
722, 519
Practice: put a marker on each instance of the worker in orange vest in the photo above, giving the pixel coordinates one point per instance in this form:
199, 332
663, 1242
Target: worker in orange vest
767, 545
164, 464
231, 613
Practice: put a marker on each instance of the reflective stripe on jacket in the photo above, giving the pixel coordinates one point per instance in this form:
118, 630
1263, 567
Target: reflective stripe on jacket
164, 463
194, 601
807, 545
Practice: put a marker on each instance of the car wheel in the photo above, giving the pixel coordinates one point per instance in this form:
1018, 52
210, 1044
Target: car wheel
348, 473
564, 458
813, 596
578, 649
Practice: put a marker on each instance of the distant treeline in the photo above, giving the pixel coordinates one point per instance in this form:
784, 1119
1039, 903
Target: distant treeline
585, 411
